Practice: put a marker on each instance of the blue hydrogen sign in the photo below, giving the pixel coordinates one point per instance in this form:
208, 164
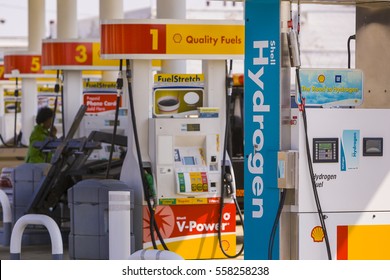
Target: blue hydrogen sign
261, 125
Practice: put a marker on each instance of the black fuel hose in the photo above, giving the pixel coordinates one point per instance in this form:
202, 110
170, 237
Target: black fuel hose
352, 37
153, 224
224, 175
311, 171
119, 87
276, 223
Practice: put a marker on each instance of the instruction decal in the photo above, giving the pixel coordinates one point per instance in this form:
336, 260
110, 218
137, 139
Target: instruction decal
350, 150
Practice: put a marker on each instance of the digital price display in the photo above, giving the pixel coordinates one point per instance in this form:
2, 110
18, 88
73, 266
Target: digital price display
325, 150
193, 127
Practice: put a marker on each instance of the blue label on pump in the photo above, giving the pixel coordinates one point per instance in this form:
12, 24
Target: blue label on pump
261, 125
281, 169
350, 150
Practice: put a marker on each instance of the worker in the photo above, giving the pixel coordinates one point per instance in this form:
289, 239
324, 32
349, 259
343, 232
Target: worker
41, 131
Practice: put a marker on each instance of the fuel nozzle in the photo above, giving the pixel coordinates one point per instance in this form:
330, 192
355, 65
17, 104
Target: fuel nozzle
229, 184
229, 82
57, 88
151, 189
293, 46
128, 69
58, 82
119, 83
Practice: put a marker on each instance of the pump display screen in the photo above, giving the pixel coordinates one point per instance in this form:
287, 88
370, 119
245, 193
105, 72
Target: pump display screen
193, 127
373, 147
188, 160
325, 146
111, 122
325, 150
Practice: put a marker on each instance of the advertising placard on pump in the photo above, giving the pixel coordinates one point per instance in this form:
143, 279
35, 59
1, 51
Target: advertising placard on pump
177, 95
331, 87
100, 97
47, 98
11, 101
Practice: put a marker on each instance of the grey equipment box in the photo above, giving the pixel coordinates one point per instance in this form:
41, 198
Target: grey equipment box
27, 179
88, 204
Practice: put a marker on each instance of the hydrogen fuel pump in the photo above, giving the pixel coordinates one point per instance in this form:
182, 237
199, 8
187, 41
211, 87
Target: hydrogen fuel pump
333, 178
288, 160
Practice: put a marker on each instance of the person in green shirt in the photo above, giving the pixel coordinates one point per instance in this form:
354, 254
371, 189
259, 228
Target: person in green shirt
40, 132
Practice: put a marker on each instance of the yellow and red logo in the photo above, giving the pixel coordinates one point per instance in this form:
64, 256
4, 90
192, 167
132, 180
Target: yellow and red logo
321, 78
317, 234
191, 230
238, 79
2, 70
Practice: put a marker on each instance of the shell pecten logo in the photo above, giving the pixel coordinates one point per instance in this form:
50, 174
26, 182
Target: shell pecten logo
321, 78
177, 38
317, 234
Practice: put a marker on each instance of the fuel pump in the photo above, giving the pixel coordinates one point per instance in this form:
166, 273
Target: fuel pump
105, 114
194, 181
180, 120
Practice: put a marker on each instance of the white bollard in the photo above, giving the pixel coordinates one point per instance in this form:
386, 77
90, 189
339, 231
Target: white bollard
119, 225
7, 217
36, 219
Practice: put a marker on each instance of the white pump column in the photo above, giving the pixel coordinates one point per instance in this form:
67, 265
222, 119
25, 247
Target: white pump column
142, 87
36, 32
36, 25
73, 84
2, 112
110, 9
172, 9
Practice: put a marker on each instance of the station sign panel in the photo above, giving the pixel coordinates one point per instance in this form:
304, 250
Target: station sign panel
75, 55
22, 64
172, 39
